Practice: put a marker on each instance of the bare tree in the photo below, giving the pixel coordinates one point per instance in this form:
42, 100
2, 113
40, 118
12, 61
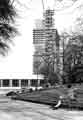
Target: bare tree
73, 53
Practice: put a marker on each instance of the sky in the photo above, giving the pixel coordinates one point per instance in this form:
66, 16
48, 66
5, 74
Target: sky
19, 62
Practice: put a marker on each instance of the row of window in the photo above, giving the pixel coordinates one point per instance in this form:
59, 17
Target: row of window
17, 83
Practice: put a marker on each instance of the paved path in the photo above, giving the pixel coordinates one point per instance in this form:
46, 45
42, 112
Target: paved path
12, 110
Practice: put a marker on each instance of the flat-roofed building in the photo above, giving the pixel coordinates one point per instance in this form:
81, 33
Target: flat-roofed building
14, 84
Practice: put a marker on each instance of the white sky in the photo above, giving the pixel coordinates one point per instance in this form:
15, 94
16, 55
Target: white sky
18, 64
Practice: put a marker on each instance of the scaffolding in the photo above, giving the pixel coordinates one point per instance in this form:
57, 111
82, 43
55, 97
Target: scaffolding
46, 42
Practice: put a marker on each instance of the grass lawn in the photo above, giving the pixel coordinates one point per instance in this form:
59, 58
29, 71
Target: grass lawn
46, 96
51, 96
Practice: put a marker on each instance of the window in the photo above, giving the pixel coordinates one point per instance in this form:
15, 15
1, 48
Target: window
15, 83
0, 83
42, 82
33, 82
24, 83
5, 83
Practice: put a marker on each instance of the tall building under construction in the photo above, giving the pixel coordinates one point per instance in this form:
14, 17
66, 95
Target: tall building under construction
46, 43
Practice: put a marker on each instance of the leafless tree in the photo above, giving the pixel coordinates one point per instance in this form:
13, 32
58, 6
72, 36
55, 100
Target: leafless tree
72, 52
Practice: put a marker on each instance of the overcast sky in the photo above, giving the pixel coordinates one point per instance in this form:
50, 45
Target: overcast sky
18, 64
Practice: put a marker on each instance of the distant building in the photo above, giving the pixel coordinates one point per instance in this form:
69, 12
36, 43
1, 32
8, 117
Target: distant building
46, 42
16, 84
43, 47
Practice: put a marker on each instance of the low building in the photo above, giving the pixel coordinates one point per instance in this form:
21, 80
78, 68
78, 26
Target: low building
21, 83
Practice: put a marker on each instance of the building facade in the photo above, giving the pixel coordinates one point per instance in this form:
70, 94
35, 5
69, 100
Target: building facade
20, 83
46, 42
